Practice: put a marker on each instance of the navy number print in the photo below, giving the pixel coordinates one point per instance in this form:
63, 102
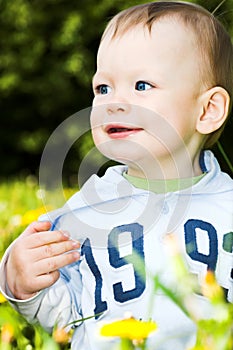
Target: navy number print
117, 261
100, 306
190, 228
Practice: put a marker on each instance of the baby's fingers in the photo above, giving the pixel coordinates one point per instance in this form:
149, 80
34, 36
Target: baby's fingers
54, 249
46, 280
37, 226
43, 238
46, 266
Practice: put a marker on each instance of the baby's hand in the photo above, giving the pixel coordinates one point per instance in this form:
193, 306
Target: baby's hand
35, 258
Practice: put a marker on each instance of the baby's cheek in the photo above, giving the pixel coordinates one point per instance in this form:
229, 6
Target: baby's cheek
96, 135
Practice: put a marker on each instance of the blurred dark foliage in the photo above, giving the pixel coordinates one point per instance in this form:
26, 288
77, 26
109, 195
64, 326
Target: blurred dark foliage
47, 59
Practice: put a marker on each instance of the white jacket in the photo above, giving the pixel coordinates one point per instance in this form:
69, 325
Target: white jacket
113, 220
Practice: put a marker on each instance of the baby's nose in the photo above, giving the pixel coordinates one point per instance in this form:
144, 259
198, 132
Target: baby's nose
118, 107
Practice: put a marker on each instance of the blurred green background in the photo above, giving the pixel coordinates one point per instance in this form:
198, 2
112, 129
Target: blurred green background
47, 59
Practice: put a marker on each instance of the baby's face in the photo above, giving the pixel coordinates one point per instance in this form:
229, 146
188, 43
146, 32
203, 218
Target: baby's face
147, 88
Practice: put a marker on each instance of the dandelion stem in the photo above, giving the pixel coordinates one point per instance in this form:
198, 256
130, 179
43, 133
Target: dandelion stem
218, 6
226, 158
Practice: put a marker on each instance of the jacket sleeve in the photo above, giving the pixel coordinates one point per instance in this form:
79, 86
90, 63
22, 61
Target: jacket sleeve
57, 305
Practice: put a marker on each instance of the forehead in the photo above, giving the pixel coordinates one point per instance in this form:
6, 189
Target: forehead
168, 38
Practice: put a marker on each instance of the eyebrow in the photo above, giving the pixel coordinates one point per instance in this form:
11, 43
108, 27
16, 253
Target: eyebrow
100, 75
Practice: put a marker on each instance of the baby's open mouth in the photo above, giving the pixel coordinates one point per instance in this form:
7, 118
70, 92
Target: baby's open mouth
117, 131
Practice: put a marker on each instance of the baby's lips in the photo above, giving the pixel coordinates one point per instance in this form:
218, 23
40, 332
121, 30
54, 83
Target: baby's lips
117, 127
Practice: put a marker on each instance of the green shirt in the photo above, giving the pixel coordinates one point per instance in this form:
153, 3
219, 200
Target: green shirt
163, 186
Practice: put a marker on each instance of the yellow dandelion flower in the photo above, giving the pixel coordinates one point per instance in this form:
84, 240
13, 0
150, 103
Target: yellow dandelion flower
7, 333
210, 288
2, 298
61, 336
32, 215
129, 328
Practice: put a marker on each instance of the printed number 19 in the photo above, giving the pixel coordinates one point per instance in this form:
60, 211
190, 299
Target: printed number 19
117, 261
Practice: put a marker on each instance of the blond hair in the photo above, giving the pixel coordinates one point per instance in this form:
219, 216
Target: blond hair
214, 43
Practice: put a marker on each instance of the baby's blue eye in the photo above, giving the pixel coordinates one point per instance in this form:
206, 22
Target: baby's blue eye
142, 86
103, 89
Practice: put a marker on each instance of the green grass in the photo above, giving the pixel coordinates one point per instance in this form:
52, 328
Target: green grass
21, 202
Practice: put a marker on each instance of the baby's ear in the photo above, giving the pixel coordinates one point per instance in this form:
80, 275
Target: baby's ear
215, 110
